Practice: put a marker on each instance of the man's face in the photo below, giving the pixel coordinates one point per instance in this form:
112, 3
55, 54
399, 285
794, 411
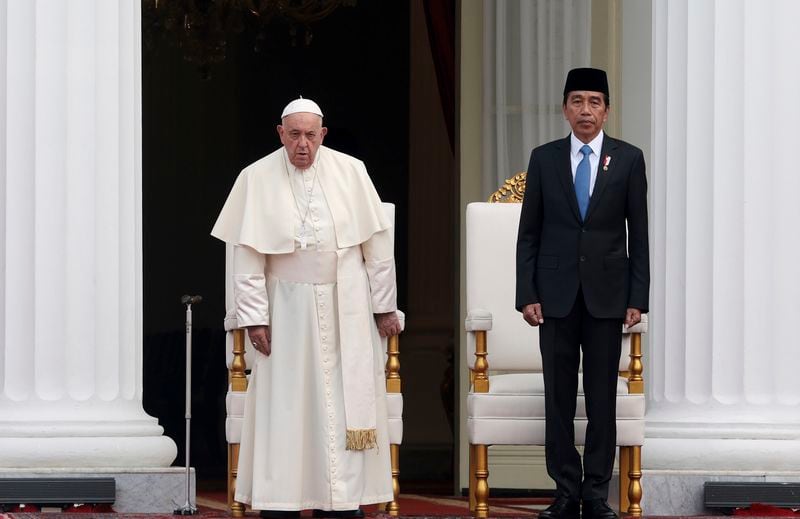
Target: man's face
586, 112
301, 134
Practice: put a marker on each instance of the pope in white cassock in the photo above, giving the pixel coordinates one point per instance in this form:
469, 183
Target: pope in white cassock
314, 284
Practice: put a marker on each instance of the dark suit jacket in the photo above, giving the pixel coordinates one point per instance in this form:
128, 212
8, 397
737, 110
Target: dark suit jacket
557, 252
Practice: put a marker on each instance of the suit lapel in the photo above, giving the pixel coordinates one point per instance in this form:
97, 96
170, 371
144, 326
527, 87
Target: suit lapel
565, 174
603, 173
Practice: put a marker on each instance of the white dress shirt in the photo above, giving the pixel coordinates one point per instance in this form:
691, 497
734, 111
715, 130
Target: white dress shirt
576, 156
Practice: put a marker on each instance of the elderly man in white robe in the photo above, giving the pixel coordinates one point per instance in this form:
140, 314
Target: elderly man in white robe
314, 284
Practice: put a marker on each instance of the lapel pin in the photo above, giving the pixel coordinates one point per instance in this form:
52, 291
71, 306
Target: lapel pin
606, 162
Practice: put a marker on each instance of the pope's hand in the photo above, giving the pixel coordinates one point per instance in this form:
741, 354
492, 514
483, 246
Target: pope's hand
261, 338
388, 324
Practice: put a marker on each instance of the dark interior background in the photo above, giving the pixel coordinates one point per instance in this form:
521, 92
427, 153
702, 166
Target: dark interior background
203, 122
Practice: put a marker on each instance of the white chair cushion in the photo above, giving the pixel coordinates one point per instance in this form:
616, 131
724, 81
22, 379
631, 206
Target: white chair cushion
527, 407
533, 384
521, 395
513, 412
234, 403
394, 405
234, 407
394, 408
233, 429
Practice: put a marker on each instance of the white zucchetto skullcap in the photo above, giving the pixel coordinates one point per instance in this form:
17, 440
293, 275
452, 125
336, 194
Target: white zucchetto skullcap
302, 105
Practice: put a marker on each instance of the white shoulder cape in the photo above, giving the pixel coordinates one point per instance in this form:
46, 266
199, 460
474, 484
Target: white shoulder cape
259, 211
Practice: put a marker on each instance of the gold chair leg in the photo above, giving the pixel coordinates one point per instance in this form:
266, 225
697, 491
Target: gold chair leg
393, 507
481, 481
635, 487
238, 382
471, 478
624, 478
237, 509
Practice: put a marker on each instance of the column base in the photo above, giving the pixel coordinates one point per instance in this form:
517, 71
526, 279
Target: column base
139, 490
675, 469
680, 492
728, 455
87, 452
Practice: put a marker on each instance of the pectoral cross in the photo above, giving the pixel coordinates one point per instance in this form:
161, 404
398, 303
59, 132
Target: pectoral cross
302, 237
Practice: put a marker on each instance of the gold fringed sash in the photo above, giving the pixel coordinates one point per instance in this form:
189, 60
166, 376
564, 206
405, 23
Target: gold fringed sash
361, 439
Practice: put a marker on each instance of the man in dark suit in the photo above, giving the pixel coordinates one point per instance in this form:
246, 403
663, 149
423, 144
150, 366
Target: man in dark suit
583, 271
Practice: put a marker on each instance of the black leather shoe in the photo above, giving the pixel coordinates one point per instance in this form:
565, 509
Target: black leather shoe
338, 514
279, 514
562, 508
597, 509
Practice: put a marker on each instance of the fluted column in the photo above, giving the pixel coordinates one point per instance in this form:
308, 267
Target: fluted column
724, 389
71, 276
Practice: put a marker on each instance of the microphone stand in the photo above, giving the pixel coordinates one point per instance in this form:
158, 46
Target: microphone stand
188, 508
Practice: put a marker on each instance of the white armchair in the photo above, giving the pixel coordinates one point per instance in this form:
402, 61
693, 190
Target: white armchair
239, 356
505, 404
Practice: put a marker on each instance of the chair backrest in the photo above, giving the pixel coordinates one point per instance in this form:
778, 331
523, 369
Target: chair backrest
230, 311
513, 345
491, 280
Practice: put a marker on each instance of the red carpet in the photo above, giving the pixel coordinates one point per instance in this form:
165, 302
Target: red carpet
213, 504
759, 510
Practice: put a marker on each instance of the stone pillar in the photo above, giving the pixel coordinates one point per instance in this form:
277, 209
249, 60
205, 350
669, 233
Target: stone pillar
724, 389
71, 238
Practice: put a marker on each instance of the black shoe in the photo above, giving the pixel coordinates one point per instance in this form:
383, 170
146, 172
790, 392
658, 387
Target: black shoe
338, 514
279, 514
598, 509
562, 508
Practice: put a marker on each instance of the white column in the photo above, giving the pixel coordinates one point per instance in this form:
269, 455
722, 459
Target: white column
71, 276
723, 369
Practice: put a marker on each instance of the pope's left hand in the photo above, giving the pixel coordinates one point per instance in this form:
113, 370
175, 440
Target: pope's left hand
388, 324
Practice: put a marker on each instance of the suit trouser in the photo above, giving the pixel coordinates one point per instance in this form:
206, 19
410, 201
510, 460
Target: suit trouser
561, 341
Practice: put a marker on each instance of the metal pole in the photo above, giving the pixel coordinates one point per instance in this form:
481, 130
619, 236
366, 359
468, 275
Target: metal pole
188, 508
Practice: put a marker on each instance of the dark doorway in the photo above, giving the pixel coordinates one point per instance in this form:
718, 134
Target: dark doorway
203, 122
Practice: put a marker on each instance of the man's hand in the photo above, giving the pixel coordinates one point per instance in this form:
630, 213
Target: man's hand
261, 338
388, 324
633, 316
532, 314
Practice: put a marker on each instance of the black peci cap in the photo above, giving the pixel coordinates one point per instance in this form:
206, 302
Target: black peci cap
592, 79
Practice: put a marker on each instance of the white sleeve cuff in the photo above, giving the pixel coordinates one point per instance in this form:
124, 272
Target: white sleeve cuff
383, 285
250, 300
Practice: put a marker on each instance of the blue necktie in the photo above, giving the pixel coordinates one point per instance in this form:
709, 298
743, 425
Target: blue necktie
583, 175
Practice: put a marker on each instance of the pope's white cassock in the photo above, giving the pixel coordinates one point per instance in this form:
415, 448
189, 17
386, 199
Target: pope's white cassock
314, 260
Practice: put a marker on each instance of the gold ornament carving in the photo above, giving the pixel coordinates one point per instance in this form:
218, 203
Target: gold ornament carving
512, 190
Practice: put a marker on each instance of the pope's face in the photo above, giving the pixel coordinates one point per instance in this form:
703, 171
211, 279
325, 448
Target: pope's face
586, 112
301, 134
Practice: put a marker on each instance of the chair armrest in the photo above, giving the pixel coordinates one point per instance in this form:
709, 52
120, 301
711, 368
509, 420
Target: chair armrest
230, 322
478, 320
402, 317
